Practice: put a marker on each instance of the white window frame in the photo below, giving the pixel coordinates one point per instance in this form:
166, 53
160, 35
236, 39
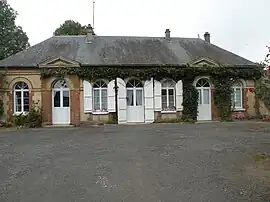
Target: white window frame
100, 88
167, 94
21, 91
235, 87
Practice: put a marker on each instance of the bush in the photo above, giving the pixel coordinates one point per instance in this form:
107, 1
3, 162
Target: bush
33, 119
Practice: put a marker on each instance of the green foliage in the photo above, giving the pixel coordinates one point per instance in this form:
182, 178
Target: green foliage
190, 101
13, 39
70, 27
222, 96
33, 119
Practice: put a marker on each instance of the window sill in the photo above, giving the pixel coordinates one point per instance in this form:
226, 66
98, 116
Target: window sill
168, 112
97, 113
239, 109
20, 113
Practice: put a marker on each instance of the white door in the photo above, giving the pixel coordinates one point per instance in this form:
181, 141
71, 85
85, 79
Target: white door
135, 105
60, 103
204, 102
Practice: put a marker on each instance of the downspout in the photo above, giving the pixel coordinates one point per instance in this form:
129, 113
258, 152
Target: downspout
154, 96
116, 98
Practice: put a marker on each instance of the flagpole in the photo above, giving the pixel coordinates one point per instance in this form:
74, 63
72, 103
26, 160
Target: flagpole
93, 15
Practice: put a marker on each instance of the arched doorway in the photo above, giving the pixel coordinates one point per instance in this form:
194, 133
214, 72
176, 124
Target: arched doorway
60, 103
204, 102
135, 109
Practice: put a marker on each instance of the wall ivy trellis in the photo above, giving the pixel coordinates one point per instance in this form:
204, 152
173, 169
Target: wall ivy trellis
222, 77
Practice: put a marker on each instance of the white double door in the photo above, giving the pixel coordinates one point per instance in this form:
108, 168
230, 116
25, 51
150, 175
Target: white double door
61, 106
135, 105
204, 104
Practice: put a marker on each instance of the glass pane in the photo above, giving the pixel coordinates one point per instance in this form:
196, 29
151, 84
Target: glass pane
104, 99
238, 97
130, 98
164, 99
18, 101
138, 97
65, 98
200, 96
96, 99
56, 97
26, 101
206, 96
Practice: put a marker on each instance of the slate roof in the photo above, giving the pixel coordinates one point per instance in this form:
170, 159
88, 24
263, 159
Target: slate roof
121, 50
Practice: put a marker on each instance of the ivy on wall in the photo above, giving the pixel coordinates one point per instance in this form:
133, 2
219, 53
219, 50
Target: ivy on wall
221, 78
222, 96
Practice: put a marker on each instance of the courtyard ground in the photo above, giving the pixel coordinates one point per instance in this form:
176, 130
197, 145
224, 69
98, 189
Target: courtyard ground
156, 162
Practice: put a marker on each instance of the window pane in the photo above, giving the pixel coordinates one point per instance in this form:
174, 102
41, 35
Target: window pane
96, 99
206, 96
138, 97
18, 101
238, 97
56, 97
164, 103
200, 97
104, 99
65, 98
130, 98
26, 101
171, 100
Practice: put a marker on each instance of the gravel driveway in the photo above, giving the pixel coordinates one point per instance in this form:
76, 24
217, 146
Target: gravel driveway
155, 162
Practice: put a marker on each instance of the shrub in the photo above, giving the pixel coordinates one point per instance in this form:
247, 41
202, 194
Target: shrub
33, 119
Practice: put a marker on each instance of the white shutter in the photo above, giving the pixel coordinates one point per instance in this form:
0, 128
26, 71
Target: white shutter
122, 101
149, 101
87, 95
157, 93
179, 95
111, 96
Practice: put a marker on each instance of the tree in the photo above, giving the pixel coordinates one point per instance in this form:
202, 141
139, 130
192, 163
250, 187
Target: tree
12, 38
70, 27
262, 88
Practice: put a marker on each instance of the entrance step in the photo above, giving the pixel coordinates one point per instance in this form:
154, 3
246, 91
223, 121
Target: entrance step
58, 126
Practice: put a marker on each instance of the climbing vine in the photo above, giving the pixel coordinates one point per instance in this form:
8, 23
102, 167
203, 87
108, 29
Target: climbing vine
222, 96
190, 100
222, 77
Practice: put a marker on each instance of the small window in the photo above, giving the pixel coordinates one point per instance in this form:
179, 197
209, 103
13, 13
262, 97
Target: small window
21, 97
100, 99
168, 95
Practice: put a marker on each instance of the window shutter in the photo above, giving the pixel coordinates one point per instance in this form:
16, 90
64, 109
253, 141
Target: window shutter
157, 93
122, 101
179, 95
149, 101
111, 96
87, 94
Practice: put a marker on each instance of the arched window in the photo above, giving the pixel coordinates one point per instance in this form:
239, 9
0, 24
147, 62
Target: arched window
168, 95
100, 96
237, 96
21, 97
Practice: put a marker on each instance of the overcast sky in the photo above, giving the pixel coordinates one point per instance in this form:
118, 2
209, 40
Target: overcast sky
240, 26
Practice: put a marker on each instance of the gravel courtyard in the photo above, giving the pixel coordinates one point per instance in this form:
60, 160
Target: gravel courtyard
155, 162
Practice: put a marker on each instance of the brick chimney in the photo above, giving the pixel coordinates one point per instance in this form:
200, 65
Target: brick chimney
90, 34
207, 37
167, 34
